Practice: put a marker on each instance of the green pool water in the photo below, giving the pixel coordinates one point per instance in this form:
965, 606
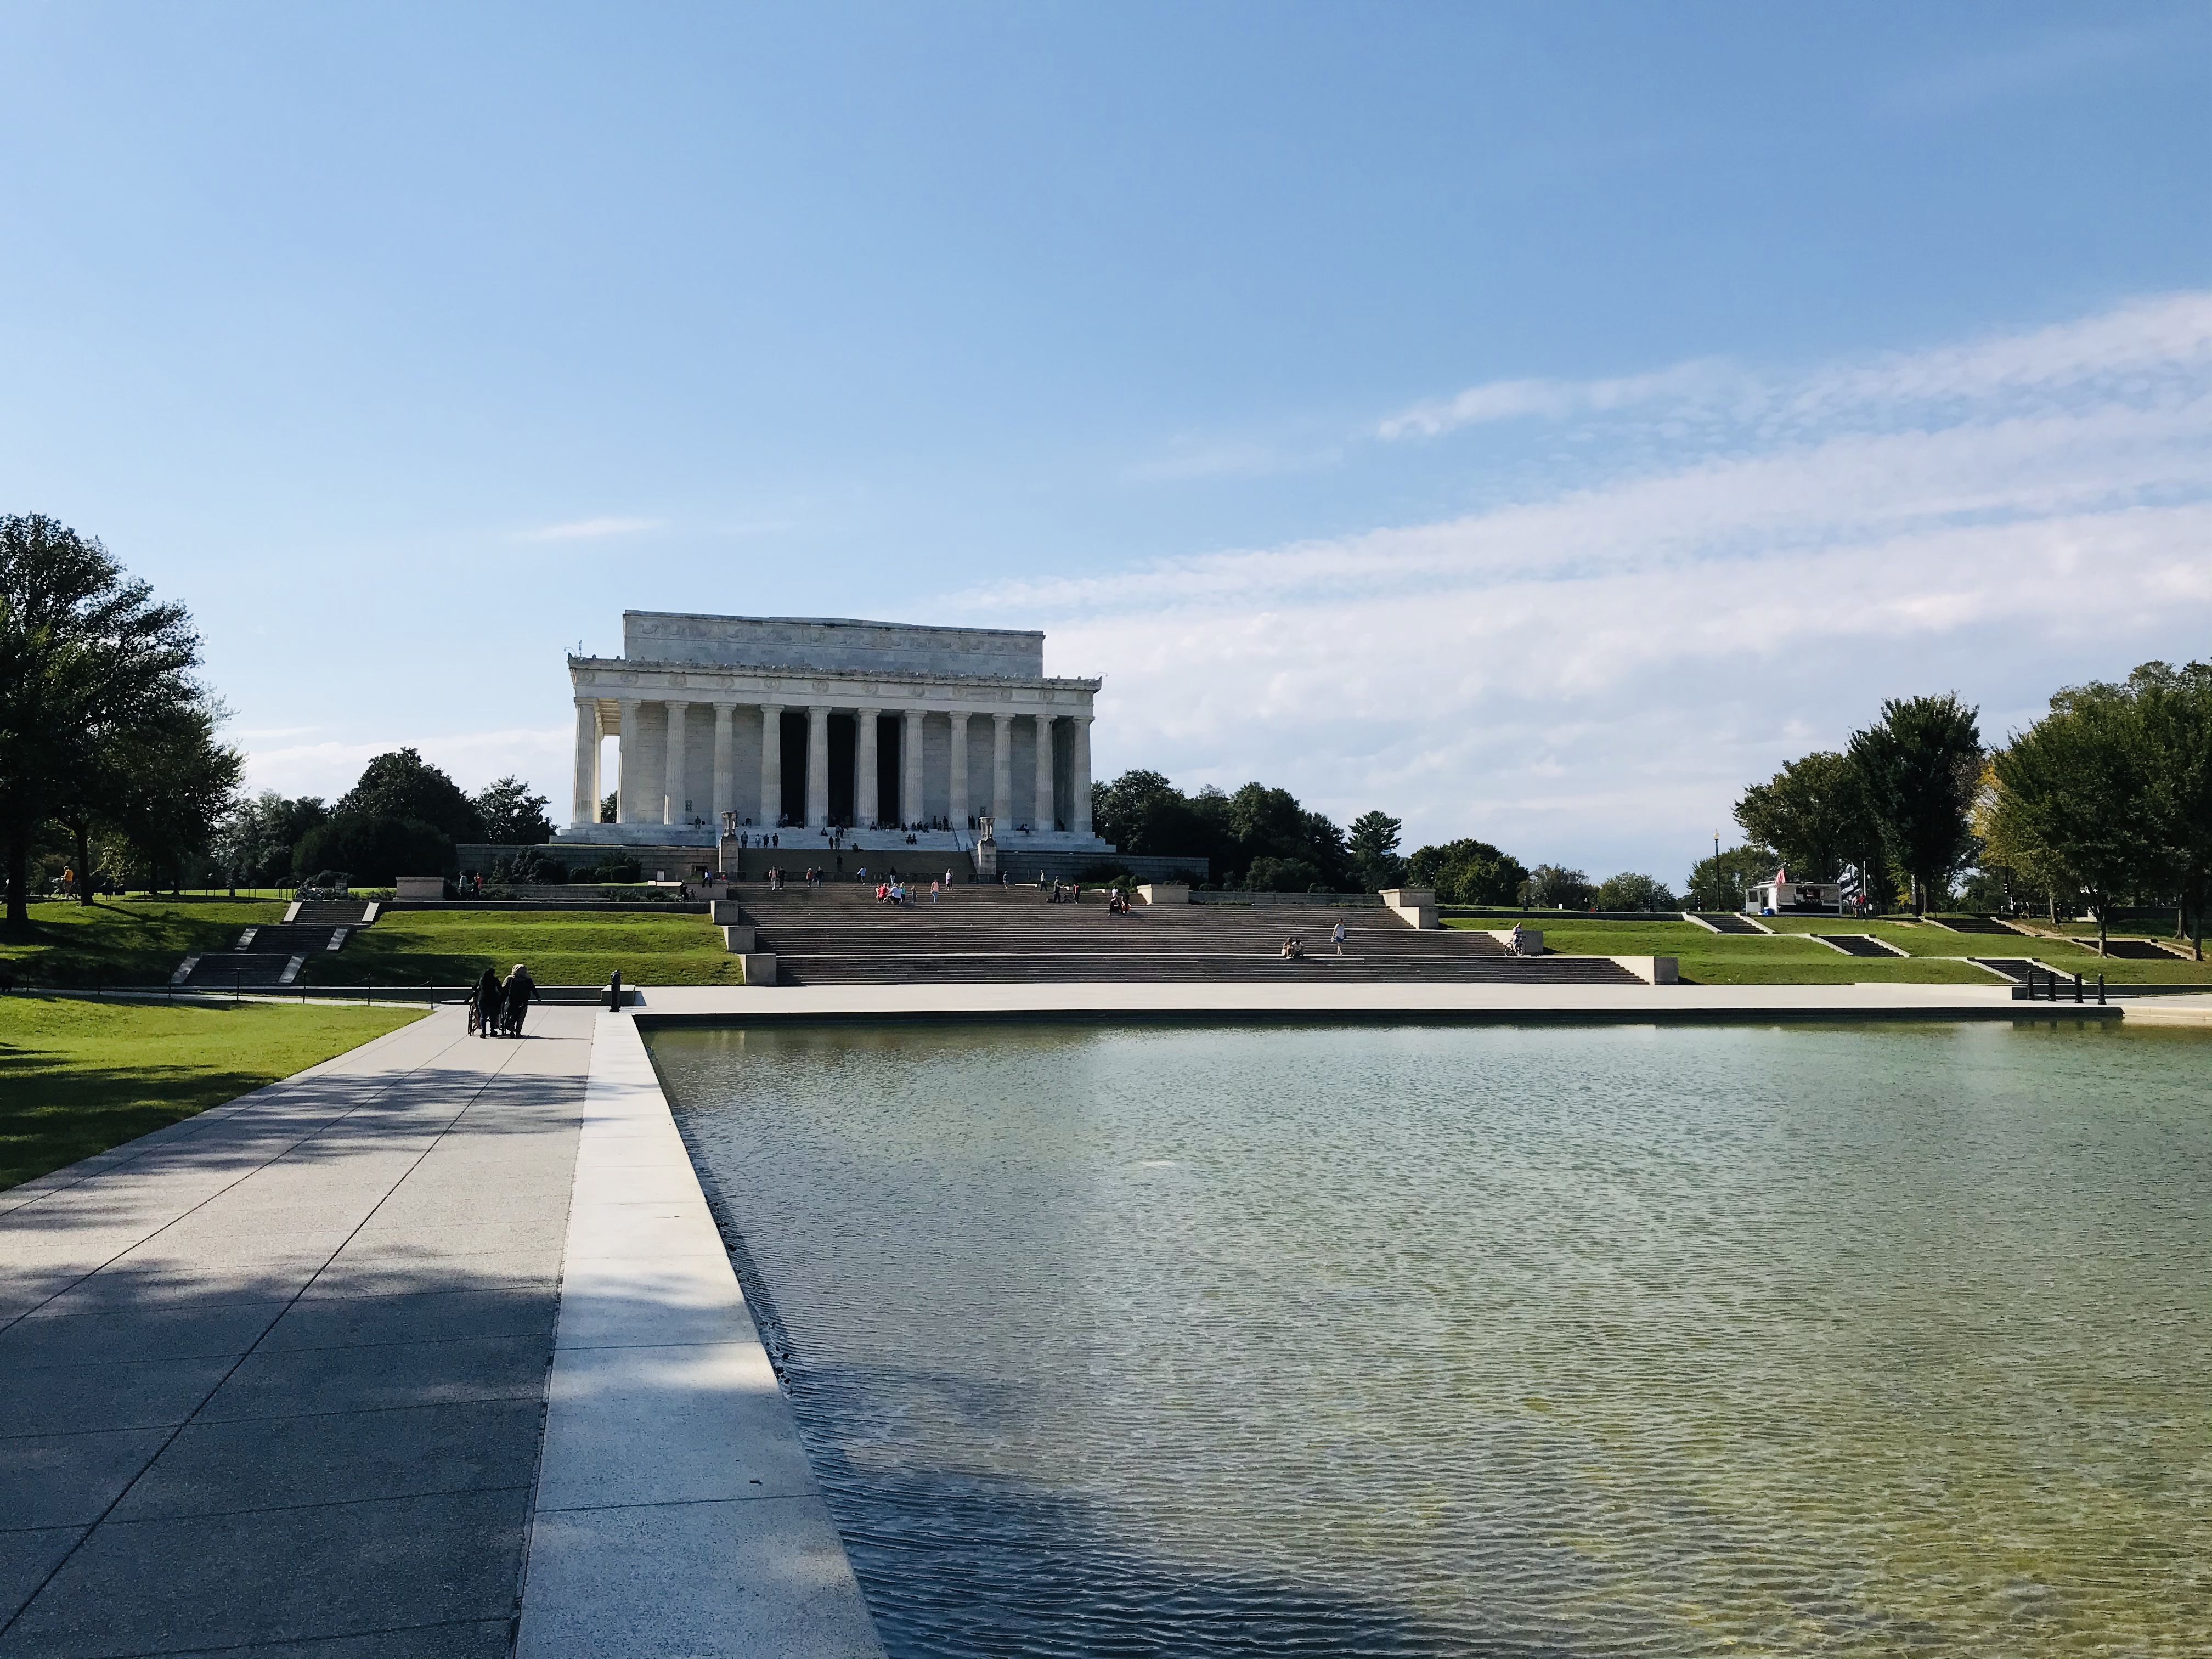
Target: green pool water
1480, 1341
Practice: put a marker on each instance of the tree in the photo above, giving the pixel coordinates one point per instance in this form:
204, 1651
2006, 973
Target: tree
181, 785
2010, 843
608, 804
402, 785
1466, 872
255, 840
1814, 813
374, 848
1720, 884
1373, 843
1630, 891
1918, 766
2175, 708
88, 661
1551, 887
2076, 788
512, 815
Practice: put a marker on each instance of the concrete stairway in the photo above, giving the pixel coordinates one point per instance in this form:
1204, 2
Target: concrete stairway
842, 936
273, 953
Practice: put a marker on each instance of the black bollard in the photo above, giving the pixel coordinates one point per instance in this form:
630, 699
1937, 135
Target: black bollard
2077, 988
614, 992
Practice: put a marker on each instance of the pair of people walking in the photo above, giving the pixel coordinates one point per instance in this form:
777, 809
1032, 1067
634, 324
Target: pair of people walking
497, 1008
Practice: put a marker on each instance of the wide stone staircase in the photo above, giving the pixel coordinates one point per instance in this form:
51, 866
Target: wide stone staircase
840, 935
273, 953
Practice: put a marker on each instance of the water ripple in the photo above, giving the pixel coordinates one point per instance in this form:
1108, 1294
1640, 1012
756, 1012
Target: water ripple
1489, 1341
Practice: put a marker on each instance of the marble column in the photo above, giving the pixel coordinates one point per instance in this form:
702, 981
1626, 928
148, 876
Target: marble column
817, 766
1043, 819
672, 811
910, 768
957, 810
726, 762
1080, 809
771, 807
584, 799
867, 770
630, 788
1002, 771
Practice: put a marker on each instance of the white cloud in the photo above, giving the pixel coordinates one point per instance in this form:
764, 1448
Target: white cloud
1595, 674
591, 530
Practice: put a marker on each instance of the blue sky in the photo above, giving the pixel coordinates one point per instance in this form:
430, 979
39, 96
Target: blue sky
1538, 421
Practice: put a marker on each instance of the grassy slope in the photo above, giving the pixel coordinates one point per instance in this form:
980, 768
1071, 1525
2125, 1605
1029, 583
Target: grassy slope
561, 947
128, 941
79, 1077
1738, 959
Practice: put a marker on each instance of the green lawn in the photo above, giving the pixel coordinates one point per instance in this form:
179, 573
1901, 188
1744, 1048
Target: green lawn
126, 941
1934, 954
561, 947
77, 1077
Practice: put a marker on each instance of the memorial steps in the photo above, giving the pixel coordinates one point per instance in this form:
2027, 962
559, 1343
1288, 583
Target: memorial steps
273, 953
843, 936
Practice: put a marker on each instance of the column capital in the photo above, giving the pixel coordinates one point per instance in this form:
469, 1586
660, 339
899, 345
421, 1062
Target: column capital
676, 703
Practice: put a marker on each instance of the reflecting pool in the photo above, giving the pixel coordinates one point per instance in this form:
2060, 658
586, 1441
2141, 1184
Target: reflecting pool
1501, 1341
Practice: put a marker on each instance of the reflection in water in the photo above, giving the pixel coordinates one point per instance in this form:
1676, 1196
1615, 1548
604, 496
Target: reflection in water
1479, 1340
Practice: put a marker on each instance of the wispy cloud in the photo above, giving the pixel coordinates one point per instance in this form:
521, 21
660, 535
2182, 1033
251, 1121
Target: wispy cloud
1556, 400
2048, 58
1595, 672
591, 530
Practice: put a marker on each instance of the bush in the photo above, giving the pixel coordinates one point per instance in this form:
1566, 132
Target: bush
375, 849
619, 869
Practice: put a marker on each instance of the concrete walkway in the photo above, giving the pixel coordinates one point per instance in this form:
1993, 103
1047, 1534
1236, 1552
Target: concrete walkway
274, 1376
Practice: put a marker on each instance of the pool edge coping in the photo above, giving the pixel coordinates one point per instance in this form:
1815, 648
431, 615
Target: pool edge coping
660, 1396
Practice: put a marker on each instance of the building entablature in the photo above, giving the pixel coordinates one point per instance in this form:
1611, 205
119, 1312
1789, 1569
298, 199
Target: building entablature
613, 678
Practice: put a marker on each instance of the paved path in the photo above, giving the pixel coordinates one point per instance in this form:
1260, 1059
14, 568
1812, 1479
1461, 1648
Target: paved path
275, 1375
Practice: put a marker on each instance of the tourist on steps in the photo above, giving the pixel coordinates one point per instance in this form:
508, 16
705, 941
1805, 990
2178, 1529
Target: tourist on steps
1336, 936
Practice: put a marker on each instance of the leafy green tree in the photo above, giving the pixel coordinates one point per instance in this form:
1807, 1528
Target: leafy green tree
255, 840
1552, 887
1373, 844
2076, 787
1630, 891
1274, 875
512, 815
402, 785
89, 662
1720, 884
1919, 766
2175, 710
1466, 872
182, 782
374, 848
610, 804
1814, 813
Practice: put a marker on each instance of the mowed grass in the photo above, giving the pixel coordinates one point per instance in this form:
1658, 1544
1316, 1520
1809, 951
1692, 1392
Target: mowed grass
126, 941
1934, 955
560, 947
78, 1076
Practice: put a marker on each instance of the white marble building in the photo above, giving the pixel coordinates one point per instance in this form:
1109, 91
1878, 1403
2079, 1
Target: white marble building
807, 722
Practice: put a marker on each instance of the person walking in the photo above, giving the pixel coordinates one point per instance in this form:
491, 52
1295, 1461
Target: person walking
518, 991
933, 892
484, 1007
1336, 936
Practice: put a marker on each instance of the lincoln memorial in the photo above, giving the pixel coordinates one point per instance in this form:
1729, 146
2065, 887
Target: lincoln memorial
799, 723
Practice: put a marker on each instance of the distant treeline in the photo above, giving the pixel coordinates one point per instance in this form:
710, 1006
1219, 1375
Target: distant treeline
2106, 800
